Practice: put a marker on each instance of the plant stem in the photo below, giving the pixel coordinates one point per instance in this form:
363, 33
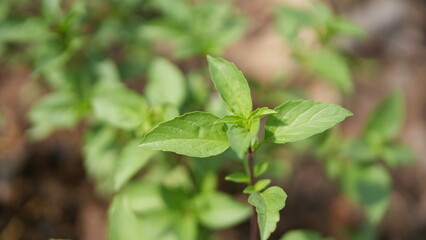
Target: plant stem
251, 166
254, 232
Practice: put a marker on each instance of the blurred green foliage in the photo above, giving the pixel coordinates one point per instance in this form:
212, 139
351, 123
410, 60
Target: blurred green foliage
323, 59
302, 235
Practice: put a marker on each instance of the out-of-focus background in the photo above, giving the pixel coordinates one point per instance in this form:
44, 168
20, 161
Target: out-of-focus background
82, 81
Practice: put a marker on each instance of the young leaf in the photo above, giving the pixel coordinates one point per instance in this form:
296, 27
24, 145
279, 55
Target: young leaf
238, 178
166, 83
241, 138
332, 66
385, 121
193, 134
218, 210
130, 161
259, 186
232, 86
268, 204
261, 112
260, 168
300, 119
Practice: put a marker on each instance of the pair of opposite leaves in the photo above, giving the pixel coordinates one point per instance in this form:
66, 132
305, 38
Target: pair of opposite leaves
202, 134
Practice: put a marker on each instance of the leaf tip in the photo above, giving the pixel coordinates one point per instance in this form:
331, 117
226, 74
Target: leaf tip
210, 58
348, 113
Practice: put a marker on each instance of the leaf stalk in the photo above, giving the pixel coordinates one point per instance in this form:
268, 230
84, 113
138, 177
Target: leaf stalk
254, 231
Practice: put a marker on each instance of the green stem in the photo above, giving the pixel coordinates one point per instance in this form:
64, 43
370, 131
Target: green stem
254, 232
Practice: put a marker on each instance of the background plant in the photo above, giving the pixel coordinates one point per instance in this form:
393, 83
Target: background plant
322, 58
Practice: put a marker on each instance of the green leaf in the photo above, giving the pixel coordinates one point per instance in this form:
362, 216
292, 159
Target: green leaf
289, 21
397, 154
322, 13
302, 235
176, 10
332, 66
161, 30
230, 119
241, 138
259, 186
370, 187
361, 150
131, 160
268, 204
108, 75
100, 156
122, 221
186, 28
5, 7
120, 107
218, 210
166, 83
193, 134
300, 119
208, 181
345, 27
158, 225
198, 88
179, 177
386, 119
333, 167
238, 178
224, 25
17, 31
260, 168
187, 227
52, 10
232, 86
144, 196
216, 106
64, 106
